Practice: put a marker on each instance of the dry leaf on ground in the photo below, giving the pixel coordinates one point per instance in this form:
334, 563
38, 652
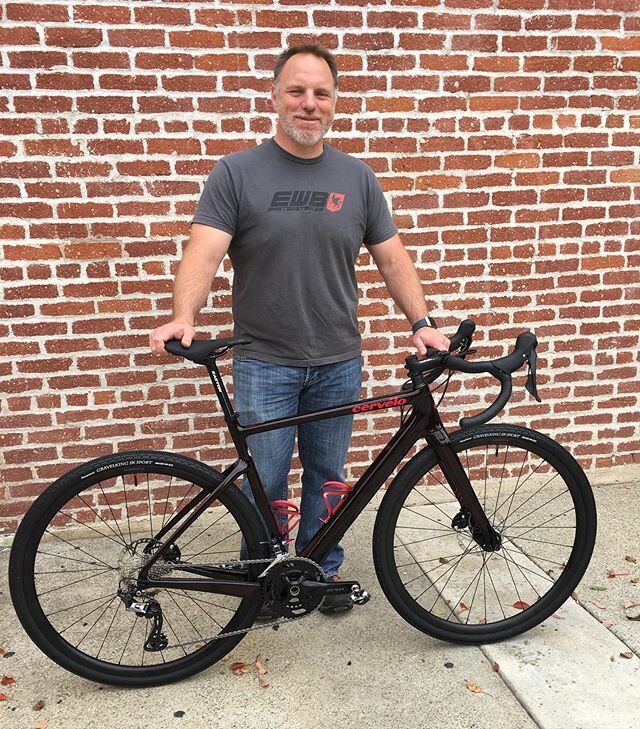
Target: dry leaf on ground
2, 652
607, 623
630, 558
599, 605
41, 725
521, 605
598, 588
617, 573
7, 680
262, 669
238, 668
635, 580
626, 654
496, 666
39, 705
3, 697
473, 687
263, 682
632, 610
462, 608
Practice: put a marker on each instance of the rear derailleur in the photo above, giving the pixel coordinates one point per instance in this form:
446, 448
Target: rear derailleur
151, 610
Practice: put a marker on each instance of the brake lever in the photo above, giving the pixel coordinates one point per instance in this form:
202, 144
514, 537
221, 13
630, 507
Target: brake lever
531, 385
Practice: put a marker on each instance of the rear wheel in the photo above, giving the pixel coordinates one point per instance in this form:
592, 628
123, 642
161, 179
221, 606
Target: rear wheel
440, 580
80, 548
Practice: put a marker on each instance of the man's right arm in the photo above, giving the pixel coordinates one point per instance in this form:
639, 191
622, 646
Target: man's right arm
202, 257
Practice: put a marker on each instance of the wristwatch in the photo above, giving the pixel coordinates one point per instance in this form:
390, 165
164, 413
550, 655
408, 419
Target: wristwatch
424, 322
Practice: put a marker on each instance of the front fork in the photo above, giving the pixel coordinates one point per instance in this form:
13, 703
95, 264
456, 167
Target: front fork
471, 512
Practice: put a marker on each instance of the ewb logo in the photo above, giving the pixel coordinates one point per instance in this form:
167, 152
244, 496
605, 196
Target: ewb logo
306, 201
334, 203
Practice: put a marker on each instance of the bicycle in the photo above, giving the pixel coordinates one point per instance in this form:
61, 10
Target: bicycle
128, 569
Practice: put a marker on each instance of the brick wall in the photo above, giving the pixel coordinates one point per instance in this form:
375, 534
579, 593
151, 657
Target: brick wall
505, 133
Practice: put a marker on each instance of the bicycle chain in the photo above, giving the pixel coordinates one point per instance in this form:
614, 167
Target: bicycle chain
271, 624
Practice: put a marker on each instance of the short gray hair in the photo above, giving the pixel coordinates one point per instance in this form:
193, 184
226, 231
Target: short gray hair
314, 49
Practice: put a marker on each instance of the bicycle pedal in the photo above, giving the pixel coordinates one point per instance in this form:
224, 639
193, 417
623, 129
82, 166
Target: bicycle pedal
360, 597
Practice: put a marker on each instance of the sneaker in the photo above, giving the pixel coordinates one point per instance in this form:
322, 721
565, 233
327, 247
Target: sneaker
333, 604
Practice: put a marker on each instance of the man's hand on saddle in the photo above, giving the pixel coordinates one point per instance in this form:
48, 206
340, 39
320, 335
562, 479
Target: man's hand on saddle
172, 330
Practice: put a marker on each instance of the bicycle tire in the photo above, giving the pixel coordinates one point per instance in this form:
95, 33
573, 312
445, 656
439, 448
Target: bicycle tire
89, 530
440, 581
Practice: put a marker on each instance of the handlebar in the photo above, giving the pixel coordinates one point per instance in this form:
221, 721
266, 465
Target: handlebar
501, 368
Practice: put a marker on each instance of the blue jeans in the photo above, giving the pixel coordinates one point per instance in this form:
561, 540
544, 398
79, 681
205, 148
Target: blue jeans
265, 391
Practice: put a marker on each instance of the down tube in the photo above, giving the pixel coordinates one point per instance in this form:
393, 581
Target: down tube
366, 487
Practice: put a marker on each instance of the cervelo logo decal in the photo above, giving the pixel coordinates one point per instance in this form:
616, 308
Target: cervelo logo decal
308, 201
392, 403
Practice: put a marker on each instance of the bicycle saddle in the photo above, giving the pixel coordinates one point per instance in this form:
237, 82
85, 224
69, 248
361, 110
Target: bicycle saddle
203, 349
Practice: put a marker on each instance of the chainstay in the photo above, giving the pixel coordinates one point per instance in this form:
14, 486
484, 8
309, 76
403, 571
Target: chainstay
272, 624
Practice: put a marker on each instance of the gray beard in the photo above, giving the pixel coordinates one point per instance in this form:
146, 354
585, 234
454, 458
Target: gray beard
306, 140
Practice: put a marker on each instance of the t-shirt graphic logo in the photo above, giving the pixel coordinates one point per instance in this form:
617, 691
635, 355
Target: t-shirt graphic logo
334, 203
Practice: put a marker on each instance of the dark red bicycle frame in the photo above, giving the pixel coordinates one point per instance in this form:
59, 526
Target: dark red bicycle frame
422, 421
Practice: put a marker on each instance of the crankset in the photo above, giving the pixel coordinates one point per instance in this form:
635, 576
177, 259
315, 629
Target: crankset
289, 587
293, 587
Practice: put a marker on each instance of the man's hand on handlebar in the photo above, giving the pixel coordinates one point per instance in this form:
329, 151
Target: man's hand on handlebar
173, 330
429, 337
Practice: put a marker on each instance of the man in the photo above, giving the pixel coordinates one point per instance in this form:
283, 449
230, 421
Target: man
292, 214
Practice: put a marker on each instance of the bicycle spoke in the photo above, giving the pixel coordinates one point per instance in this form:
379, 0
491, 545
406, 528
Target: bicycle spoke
79, 604
113, 516
544, 523
86, 615
93, 529
106, 635
76, 582
96, 621
126, 501
527, 500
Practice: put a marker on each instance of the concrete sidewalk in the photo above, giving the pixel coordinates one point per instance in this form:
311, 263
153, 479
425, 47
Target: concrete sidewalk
369, 668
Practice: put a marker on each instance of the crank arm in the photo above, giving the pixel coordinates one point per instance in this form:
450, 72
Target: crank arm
331, 588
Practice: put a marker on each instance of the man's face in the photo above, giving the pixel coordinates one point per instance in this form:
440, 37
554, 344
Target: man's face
304, 99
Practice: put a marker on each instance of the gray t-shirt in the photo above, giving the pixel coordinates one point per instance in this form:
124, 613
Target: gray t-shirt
297, 228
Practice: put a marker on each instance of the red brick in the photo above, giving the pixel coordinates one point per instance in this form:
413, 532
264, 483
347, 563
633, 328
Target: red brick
105, 105
128, 82
117, 14
368, 41
19, 36
196, 39
73, 37
249, 39
136, 38
163, 16
164, 61
223, 62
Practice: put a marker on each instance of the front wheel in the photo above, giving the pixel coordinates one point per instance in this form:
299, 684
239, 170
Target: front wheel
440, 580
80, 549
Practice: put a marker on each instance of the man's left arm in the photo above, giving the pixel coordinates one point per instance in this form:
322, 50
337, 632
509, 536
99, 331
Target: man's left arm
404, 286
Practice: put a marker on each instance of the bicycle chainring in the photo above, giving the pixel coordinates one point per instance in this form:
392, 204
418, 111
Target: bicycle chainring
283, 587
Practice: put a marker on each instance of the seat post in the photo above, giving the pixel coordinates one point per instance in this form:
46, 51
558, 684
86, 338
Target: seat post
221, 390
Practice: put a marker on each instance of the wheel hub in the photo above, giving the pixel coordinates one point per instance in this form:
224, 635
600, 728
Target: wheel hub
139, 553
462, 520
